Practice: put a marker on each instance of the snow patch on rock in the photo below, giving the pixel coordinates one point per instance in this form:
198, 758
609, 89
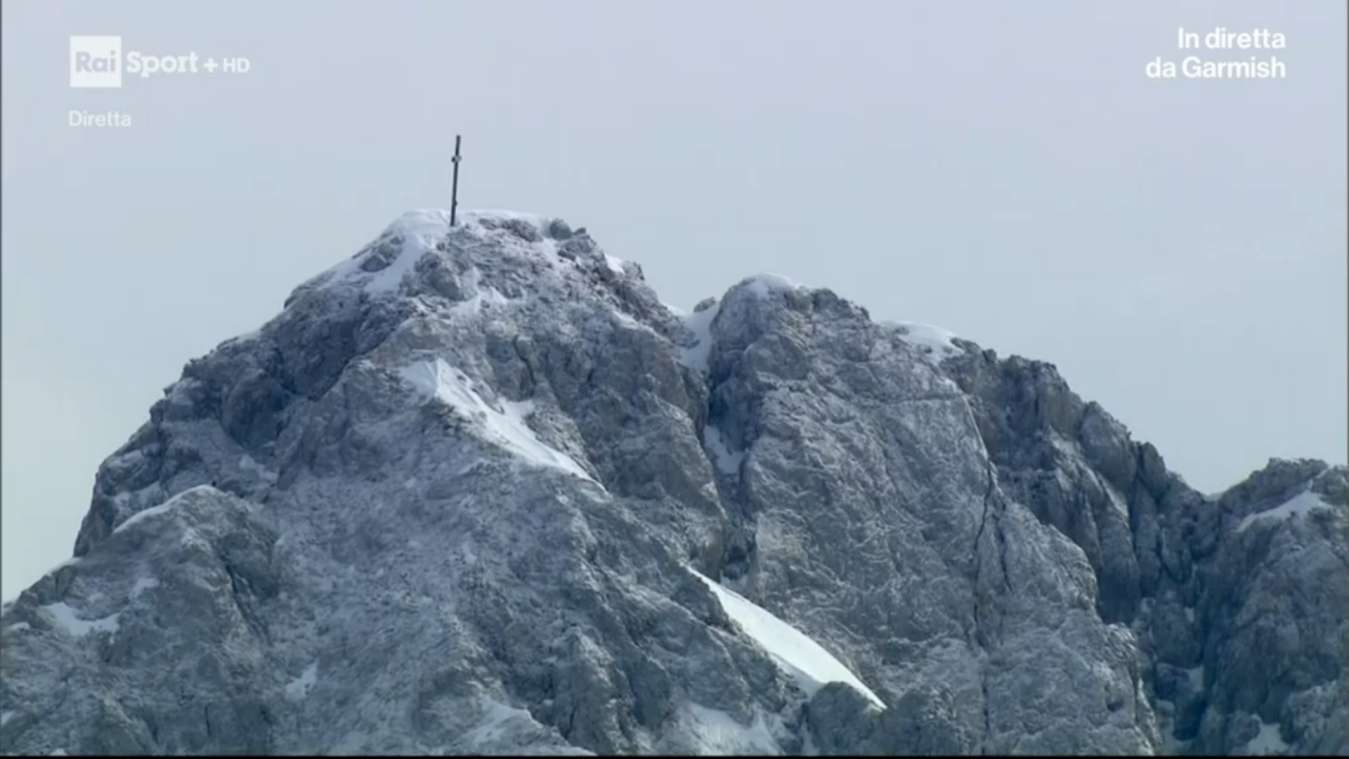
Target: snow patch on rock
485, 296
143, 584
69, 620
506, 428
299, 687
1195, 676
764, 285
717, 733
1268, 742
419, 230
614, 263
700, 324
795, 652
1298, 505
726, 460
155, 511
496, 722
935, 343
248, 464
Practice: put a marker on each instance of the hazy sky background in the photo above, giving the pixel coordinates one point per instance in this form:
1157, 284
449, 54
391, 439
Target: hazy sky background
1176, 248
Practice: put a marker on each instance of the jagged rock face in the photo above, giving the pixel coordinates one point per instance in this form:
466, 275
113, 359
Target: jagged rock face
458, 496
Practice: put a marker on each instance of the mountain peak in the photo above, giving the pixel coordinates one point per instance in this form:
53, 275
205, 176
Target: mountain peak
421, 246
476, 489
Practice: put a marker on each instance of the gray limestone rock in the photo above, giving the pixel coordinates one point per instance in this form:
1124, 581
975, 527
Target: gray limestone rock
476, 490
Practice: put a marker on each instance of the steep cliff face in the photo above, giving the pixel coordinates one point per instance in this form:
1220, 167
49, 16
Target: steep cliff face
476, 489
1238, 603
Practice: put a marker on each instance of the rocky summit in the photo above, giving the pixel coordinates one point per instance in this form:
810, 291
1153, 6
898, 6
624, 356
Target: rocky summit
477, 490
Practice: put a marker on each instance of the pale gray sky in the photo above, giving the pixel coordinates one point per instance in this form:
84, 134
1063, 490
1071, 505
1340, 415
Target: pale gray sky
1177, 248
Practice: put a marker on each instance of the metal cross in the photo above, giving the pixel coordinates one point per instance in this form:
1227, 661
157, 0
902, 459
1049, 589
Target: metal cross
454, 191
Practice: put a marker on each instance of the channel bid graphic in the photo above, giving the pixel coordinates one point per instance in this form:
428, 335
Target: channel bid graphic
98, 61
95, 61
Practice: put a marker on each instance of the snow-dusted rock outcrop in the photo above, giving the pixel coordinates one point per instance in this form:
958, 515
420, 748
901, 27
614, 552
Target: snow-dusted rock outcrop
478, 490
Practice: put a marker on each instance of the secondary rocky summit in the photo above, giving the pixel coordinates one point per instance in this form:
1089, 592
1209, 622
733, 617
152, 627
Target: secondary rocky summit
476, 489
